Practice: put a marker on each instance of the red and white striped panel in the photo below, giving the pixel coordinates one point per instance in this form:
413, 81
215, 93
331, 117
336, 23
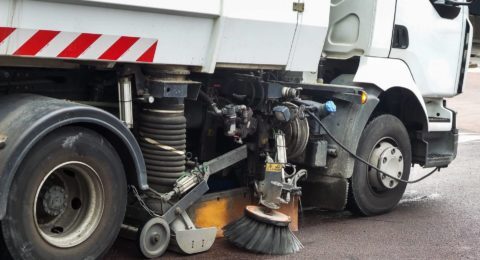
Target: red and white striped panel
69, 45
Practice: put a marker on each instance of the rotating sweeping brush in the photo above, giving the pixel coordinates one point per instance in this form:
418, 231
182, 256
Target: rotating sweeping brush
263, 230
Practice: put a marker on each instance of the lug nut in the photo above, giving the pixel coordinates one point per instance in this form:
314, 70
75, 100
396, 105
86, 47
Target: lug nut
393, 151
384, 159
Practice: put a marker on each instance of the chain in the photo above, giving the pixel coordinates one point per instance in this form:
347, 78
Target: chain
142, 202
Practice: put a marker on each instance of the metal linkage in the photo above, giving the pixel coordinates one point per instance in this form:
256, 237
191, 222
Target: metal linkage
277, 186
190, 184
125, 103
186, 191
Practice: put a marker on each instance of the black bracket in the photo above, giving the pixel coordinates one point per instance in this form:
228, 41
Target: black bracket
159, 88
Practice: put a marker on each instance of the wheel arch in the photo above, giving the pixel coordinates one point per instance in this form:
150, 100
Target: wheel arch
391, 78
27, 118
404, 104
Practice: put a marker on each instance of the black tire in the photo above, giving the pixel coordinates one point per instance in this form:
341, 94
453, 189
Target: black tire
363, 198
4, 255
21, 230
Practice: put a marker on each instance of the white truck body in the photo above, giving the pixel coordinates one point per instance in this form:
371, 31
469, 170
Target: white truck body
203, 34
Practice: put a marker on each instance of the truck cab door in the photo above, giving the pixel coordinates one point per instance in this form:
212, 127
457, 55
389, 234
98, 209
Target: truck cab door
433, 38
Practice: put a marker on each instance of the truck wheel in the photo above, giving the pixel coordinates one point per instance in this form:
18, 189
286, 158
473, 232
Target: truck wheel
4, 255
67, 200
384, 143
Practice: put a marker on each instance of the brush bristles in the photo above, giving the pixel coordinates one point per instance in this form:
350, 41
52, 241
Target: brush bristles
261, 237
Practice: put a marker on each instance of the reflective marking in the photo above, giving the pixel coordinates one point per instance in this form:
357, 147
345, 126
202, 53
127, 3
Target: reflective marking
164, 147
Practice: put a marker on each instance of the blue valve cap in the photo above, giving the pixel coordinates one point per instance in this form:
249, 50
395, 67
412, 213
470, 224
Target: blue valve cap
330, 107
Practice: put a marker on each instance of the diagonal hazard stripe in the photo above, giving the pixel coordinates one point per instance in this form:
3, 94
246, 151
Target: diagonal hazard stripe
76, 45
36, 43
79, 45
118, 48
149, 54
5, 32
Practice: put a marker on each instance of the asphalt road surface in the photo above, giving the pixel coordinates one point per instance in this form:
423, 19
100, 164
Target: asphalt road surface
437, 219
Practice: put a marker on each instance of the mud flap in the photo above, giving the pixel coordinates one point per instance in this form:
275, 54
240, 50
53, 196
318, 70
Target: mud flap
325, 192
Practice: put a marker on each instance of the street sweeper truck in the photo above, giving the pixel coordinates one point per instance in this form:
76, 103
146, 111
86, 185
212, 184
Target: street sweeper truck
174, 122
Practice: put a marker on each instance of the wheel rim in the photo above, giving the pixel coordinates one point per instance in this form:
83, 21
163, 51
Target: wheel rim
154, 237
387, 156
69, 204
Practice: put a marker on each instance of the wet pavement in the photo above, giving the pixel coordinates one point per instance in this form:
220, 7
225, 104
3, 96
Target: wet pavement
437, 219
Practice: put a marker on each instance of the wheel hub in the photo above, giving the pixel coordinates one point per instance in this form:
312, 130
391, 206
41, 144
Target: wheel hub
154, 237
55, 201
267, 215
69, 204
389, 159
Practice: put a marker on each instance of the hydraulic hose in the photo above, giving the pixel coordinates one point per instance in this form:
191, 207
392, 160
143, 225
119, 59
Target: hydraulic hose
204, 96
354, 155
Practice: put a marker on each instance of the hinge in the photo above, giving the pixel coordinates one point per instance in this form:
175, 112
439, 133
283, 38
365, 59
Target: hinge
298, 7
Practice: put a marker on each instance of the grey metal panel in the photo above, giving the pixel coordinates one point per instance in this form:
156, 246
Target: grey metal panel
351, 28
347, 126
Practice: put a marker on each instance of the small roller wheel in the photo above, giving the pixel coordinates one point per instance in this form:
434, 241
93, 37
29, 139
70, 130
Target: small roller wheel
154, 237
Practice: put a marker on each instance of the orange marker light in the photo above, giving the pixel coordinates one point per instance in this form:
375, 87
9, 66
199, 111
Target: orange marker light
364, 97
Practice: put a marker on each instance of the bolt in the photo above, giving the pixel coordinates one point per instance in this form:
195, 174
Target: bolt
399, 174
384, 160
178, 211
392, 183
393, 151
400, 158
155, 238
150, 99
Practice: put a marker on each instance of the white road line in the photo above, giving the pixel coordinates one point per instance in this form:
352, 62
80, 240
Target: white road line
474, 70
420, 198
468, 138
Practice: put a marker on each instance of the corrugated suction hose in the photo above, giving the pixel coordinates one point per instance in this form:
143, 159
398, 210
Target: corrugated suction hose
162, 133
